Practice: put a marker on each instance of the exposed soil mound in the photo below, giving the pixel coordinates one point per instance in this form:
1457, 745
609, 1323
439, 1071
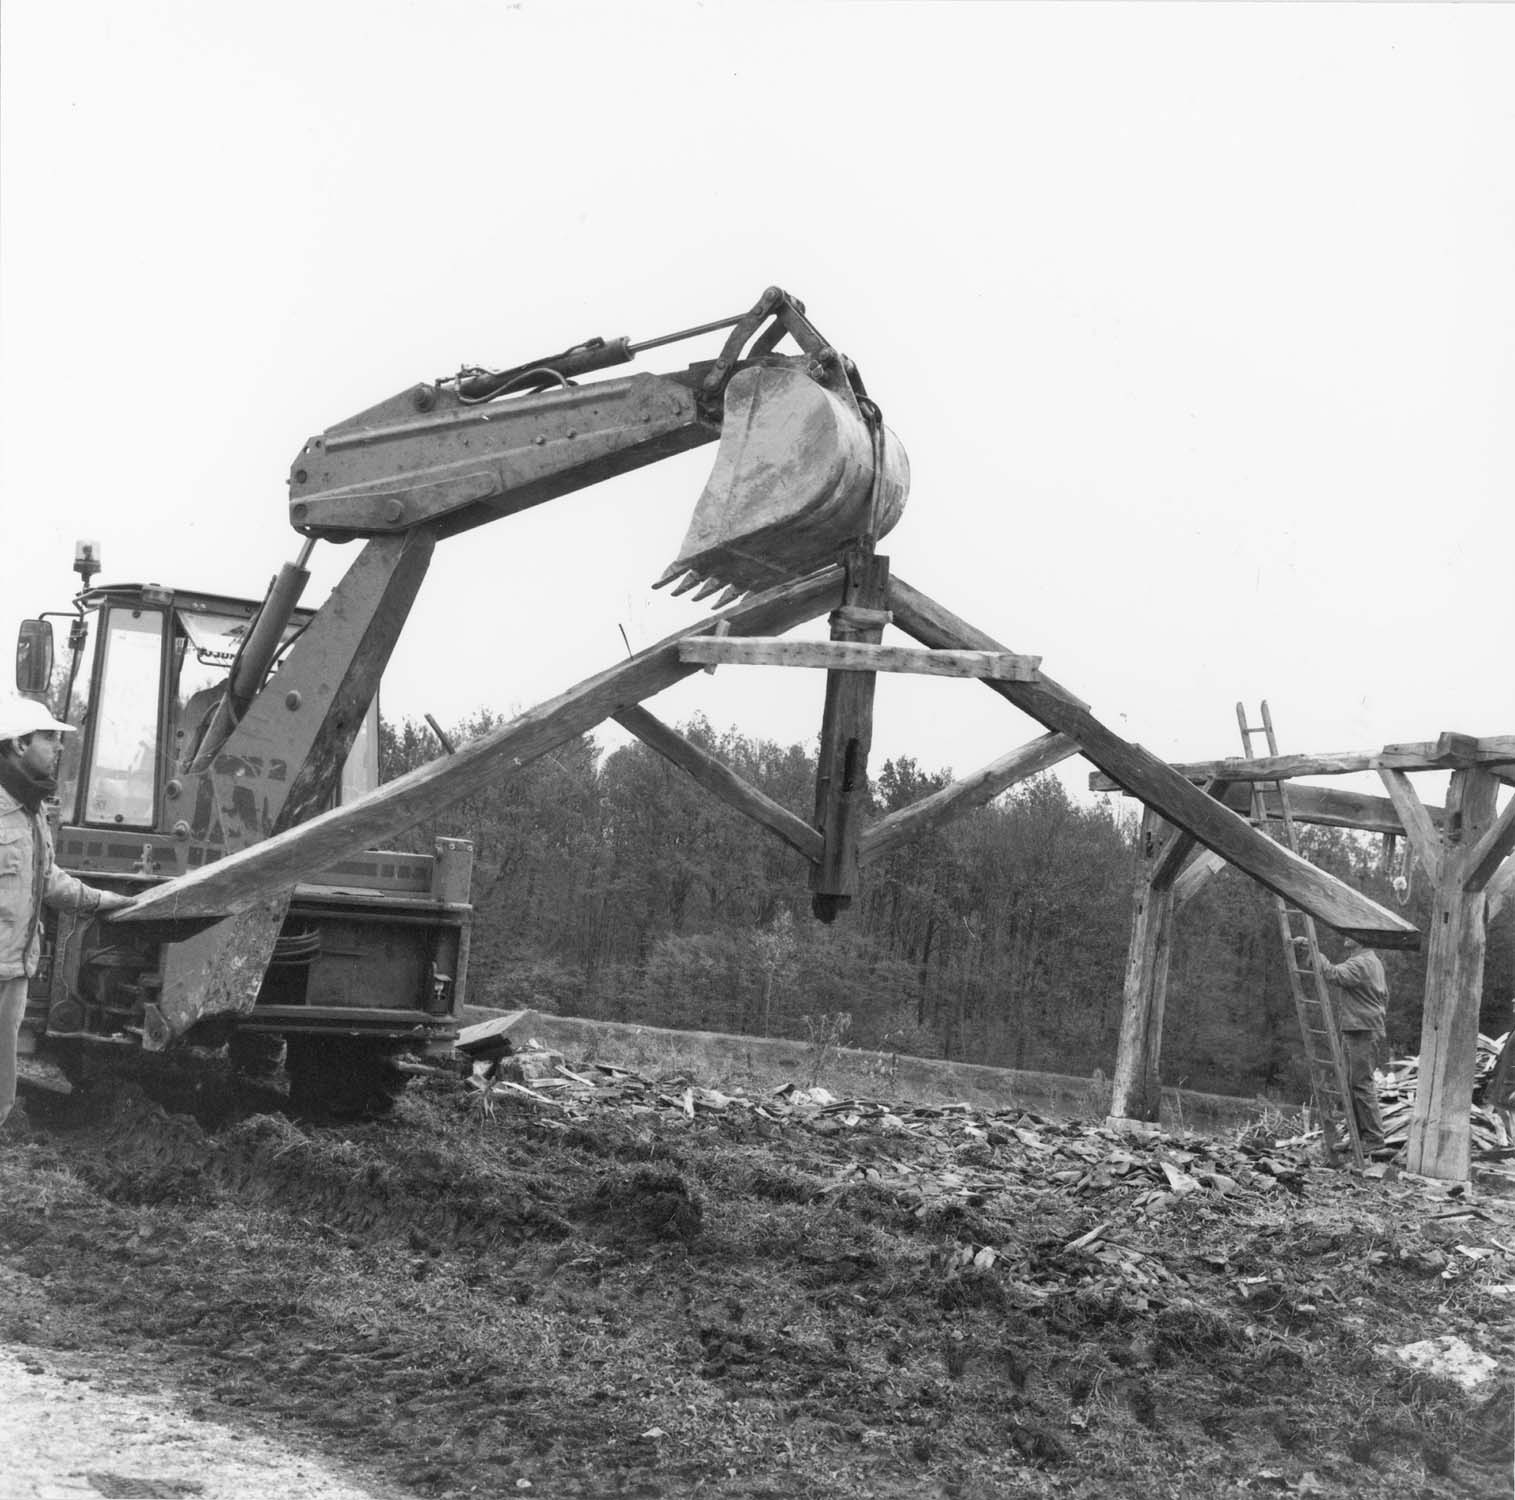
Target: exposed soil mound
632, 1295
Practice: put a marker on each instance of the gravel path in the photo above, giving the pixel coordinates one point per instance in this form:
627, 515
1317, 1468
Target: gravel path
64, 1435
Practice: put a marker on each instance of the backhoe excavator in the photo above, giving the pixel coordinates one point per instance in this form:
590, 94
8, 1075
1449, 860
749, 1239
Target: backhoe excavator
210, 723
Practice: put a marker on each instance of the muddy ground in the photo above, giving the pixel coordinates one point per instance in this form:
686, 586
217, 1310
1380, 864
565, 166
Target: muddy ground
642, 1290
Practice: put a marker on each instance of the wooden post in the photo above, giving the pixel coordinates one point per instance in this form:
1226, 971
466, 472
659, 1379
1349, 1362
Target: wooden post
841, 781
1136, 1089
1440, 1122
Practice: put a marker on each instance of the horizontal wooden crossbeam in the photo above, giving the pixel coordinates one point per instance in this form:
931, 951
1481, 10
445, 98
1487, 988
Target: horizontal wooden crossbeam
1329, 807
1448, 752
857, 656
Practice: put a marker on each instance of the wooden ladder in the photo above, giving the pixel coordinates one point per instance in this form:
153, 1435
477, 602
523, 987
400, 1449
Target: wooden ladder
1312, 997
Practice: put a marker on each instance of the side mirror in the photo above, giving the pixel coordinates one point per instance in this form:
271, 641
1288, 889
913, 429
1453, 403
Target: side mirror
34, 656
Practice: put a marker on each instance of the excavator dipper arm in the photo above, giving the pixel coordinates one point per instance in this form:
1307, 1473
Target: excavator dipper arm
793, 482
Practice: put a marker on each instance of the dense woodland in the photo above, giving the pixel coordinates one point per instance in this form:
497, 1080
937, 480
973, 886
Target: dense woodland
609, 885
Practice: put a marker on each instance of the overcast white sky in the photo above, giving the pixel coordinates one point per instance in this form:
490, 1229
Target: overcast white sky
1198, 324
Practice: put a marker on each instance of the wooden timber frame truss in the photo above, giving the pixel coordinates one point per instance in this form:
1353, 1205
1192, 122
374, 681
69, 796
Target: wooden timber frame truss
860, 597
1465, 851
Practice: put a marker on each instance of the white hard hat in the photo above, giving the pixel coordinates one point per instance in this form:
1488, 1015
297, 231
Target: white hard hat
20, 716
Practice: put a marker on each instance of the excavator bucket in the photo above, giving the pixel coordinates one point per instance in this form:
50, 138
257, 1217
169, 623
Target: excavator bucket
793, 483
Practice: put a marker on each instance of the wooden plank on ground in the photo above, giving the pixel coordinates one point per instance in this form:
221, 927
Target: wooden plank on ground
1141, 773
720, 780
243, 878
970, 792
857, 656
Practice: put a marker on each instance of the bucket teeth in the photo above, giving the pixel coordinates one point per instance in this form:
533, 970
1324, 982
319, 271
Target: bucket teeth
672, 571
689, 581
709, 587
732, 594
794, 482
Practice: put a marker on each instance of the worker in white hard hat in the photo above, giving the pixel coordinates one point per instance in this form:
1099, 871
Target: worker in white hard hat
31, 740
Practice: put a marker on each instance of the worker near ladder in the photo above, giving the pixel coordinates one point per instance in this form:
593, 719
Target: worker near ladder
30, 742
1360, 1016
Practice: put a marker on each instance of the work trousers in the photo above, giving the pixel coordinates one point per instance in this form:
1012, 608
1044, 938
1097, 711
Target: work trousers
1360, 1047
12, 1009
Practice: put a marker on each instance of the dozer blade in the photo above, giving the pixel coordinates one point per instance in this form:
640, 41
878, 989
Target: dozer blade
792, 484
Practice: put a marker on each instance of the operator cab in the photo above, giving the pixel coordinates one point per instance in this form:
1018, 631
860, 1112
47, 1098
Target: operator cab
148, 665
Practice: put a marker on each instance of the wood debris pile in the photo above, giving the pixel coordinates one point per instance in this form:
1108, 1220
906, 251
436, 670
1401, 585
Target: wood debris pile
1493, 1139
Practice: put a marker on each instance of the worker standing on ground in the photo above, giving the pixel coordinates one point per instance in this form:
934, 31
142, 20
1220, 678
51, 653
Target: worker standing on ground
30, 742
1360, 1014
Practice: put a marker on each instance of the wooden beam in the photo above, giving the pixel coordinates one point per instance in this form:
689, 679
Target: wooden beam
243, 878
1180, 845
962, 796
1136, 1085
1486, 856
1450, 750
1424, 838
857, 656
721, 781
1440, 1127
1237, 769
1330, 807
1498, 889
841, 773
1324, 897
1196, 874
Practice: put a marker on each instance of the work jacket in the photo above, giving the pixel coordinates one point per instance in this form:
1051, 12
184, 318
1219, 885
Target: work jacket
1364, 992
30, 879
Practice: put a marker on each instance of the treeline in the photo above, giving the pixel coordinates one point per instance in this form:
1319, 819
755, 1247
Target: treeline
610, 886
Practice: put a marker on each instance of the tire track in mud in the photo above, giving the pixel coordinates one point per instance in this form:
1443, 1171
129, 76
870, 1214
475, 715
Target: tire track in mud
639, 1303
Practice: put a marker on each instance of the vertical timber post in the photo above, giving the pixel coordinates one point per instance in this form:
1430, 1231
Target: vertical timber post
1440, 1124
1136, 1089
846, 736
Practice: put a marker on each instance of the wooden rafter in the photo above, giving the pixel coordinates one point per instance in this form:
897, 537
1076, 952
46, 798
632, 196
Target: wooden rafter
721, 781
1491, 850
1196, 874
1498, 889
970, 792
1180, 845
1141, 773
1424, 838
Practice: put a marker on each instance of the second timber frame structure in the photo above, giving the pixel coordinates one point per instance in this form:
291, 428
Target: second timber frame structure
1465, 848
